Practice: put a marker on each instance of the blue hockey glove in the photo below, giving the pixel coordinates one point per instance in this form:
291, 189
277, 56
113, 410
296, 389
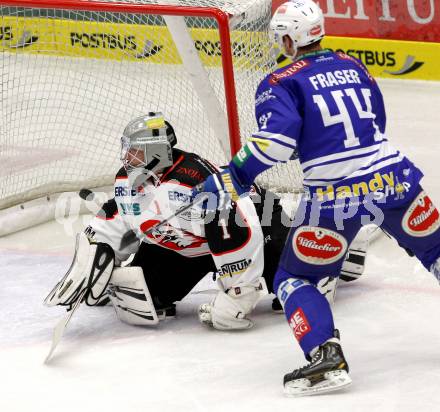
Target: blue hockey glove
222, 189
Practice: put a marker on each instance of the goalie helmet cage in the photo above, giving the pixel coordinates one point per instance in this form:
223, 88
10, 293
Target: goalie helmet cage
74, 73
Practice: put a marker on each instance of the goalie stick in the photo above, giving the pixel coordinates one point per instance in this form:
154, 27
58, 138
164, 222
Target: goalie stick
61, 326
130, 237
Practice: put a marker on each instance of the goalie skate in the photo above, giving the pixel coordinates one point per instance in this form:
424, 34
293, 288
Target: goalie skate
327, 371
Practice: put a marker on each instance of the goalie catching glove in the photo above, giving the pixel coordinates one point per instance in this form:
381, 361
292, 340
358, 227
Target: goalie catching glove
90, 270
229, 308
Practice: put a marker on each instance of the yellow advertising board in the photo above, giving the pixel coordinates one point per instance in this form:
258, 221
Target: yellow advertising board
134, 42
392, 58
119, 41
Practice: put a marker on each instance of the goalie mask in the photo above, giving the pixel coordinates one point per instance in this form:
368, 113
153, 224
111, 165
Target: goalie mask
301, 20
147, 143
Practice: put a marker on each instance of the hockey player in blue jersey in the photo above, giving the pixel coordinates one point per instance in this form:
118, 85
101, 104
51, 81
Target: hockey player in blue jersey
327, 110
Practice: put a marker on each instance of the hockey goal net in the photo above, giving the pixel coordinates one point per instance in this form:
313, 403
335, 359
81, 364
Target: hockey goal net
74, 73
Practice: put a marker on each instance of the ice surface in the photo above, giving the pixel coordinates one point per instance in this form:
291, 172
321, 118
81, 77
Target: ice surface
389, 321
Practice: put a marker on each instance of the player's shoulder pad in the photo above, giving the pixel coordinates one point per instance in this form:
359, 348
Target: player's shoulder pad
188, 168
357, 62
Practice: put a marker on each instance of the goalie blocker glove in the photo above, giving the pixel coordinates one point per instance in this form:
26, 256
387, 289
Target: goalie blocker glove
90, 270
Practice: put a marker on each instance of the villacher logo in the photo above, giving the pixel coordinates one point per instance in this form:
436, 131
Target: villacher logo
318, 246
422, 218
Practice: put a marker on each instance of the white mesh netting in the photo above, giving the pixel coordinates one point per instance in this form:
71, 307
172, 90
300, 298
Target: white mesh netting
71, 81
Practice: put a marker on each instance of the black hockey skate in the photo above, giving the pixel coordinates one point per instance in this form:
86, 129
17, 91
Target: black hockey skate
164, 309
276, 306
166, 312
327, 371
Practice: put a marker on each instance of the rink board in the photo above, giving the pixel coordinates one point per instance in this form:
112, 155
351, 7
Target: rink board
153, 44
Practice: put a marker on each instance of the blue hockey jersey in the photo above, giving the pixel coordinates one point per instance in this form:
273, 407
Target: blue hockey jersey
327, 110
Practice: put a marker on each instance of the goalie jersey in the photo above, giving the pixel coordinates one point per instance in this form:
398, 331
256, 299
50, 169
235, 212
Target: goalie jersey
326, 110
140, 203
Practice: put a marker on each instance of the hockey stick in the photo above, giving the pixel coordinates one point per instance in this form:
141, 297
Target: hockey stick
61, 326
130, 237
200, 199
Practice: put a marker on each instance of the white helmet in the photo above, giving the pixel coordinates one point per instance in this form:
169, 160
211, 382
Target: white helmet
301, 20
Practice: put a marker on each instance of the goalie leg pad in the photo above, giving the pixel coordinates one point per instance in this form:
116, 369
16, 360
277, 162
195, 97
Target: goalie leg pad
327, 287
90, 270
435, 269
354, 263
353, 266
131, 298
